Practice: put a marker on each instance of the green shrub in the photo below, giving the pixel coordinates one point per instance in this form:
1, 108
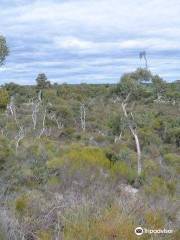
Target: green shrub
151, 168
100, 138
44, 235
159, 187
109, 224
4, 98
21, 204
154, 219
5, 150
122, 169
172, 159
53, 181
80, 156
171, 186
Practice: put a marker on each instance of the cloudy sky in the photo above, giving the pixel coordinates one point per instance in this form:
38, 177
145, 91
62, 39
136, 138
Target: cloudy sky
93, 41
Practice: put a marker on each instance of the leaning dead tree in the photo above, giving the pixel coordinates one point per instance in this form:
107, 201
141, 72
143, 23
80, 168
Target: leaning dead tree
83, 117
133, 129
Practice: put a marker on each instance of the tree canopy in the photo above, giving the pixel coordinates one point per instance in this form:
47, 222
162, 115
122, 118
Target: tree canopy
42, 81
4, 50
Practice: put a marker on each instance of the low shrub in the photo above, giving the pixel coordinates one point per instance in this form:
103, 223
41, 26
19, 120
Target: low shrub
172, 159
122, 169
159, 187
79, 156
53, 181
44, 235
21, 204
109, 224
154, 220
5, 150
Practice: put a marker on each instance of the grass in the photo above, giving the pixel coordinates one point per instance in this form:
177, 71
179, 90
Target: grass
110, 224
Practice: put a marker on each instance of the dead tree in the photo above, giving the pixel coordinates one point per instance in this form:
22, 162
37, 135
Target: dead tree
83, 117
12, 109
20, 135
118, 138
35, 110
40, 96
133, 130
43, 123
54, 118
142, 55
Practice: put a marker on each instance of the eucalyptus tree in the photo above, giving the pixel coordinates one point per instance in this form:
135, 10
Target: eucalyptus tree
159, 87
42, 81
130, 89
4, 50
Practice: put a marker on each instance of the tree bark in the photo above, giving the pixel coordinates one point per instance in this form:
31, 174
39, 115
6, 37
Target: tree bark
135, 135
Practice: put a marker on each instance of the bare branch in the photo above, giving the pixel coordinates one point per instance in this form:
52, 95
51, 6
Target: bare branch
83, 117
19, 137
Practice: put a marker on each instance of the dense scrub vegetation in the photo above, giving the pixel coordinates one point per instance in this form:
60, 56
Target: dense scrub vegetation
70, 166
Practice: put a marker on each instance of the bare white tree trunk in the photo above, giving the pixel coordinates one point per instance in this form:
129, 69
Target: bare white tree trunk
138, 149
57, 121
12, 108
43, 124
19, 137
83, 117
40, 96
35, 110
135, 135
2, 131
59, 124
118, 138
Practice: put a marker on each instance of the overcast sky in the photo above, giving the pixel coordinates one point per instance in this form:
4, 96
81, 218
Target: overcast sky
93, 41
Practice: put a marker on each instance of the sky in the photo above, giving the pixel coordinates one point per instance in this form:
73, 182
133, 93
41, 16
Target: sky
89, 41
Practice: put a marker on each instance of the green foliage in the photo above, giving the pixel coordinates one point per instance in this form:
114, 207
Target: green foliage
117, 124
21, 204
4, 98
172, 159
133, 83
42, 81
53, 181
159, 86
150, 167
148, 137
76, 167
44, 235
110, 223
154, 220
5, 150
173, 136
122, 169
160, 187
79, 156
4, 51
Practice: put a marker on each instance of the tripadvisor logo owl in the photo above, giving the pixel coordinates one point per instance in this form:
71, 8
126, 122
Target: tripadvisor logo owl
139, 231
